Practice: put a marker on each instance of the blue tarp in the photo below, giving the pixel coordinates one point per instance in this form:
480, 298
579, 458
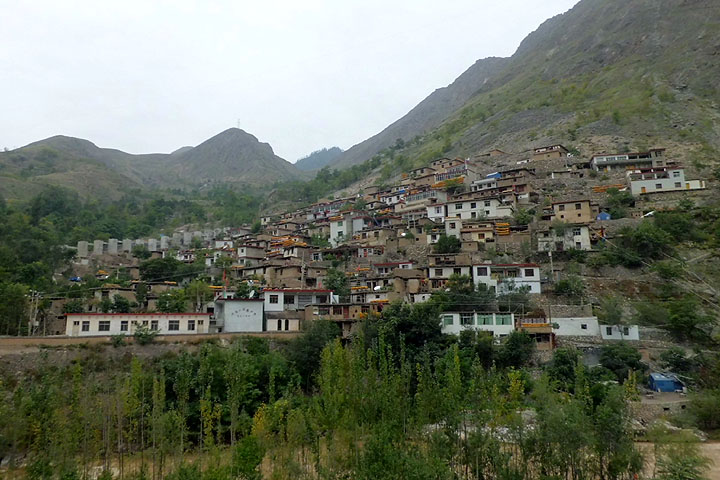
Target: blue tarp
661, 382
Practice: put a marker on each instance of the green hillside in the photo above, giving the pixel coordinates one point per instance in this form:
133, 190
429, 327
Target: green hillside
603, 76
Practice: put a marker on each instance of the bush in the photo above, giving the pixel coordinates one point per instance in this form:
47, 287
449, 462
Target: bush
144, 336
447, 244
572, 286
118, 340
705, 409
621, 359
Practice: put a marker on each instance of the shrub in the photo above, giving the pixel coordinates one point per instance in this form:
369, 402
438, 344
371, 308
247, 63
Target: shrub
144, 336
118, 340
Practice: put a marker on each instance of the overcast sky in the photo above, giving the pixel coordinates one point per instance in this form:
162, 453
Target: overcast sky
152, 76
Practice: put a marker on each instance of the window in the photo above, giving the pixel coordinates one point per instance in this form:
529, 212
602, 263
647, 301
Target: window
482, 271
576, 232
124, 326
487, 203
626, 331
452, 225
658, 186
457, 271
289, 299
154, 325
279, 324
583, 326
448, 320
485, 319
676, 174
473, 205
608, 331
466, 319
339, 224
678, 185
145, 323
437, 209
174, 325
201, 322
104, 325
438, 272
191, 325
85, 326
458, 206
529, 272
503, 320
274, 299
287, 324
578, 206
561, 208
487, 213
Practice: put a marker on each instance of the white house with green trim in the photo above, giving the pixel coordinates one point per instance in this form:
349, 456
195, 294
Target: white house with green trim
500, 324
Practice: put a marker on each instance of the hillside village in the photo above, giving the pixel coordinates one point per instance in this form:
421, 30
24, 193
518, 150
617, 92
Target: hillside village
514, 225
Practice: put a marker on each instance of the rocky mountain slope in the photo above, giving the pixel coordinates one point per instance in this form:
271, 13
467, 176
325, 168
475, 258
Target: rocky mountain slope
606, 75
318, 159
231, 157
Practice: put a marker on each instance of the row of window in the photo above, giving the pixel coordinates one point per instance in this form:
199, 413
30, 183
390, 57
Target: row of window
468, 319
104, 325
561, 207
459, 206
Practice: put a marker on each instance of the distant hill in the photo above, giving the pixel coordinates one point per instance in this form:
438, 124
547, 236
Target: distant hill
232, 157
606, 75
318, 159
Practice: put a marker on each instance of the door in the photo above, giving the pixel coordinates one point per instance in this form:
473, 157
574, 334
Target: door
643, 190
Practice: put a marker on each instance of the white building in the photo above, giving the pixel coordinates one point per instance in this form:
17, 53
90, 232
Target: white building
661, 179
94, 324
436, 212
500, 324
615, 332
281, 299
574, 237
576, 326
239, 315
623, 161
479, 208
341, 230
504, 278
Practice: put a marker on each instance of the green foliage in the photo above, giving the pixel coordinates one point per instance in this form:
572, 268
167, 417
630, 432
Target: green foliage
143, 335
75, 305
141, 252
523, 216
517, 350
120, 304
118, 340
304, 351
172, 301
160, 269
618, 202
447, 244
705, 408
681, 461
337, 281
246, 458
621, 358
563, 367
572, 286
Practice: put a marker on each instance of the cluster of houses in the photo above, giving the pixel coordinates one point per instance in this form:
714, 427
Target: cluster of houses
384, 241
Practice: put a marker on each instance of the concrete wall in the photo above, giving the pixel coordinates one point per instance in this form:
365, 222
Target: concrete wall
240, 315
573, 326
117, 321
612, 332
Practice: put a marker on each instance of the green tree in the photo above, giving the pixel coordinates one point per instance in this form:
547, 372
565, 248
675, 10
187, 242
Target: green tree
517, 350
120, 305
141, 252
75, 305
447, 244
304, 351
621, 359
172, 301
199, 293
337, 281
